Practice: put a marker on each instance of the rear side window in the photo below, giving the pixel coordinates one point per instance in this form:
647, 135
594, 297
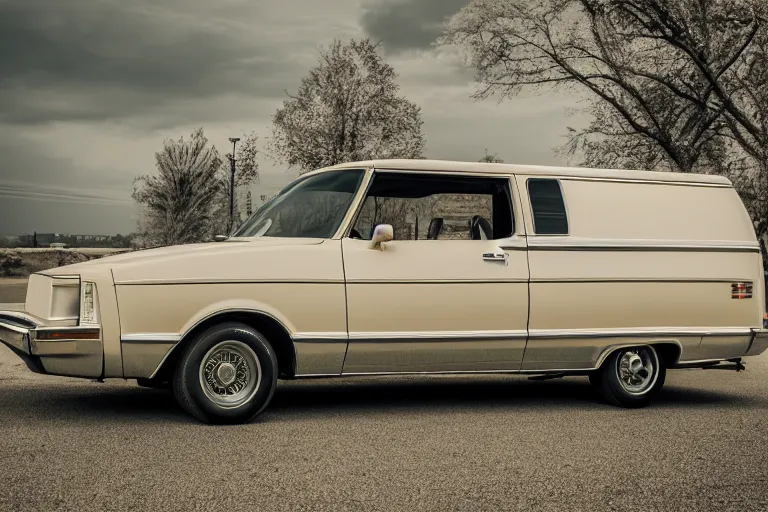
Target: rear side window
549, 217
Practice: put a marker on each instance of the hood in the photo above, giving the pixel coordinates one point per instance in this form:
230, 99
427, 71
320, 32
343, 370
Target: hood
205, 251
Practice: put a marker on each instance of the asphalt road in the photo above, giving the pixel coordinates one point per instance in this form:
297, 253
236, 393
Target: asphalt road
427, 443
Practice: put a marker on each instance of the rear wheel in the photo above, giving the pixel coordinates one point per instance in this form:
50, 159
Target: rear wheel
227, 375
630, 377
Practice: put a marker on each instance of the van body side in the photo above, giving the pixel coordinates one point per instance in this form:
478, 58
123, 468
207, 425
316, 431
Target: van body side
642, 261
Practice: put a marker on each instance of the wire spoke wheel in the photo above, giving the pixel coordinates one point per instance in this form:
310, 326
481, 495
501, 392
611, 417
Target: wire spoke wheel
230, 374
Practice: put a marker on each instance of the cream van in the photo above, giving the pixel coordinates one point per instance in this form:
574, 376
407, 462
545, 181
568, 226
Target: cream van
416, 267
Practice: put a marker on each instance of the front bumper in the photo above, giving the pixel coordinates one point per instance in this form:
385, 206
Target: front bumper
758, 342
70, 351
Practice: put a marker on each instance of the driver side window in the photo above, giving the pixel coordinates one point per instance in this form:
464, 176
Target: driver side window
436, 207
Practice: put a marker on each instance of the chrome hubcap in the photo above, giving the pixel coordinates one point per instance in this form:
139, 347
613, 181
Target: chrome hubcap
637, 370
226, 374
230, 374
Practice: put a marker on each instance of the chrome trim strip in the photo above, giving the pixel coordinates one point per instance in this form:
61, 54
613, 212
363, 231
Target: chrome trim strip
317, 375
72, 277
436, 281
636, 181
517, 246
436, 335
63, 319
130, 282
151, 338
549, 333
462, 372
319, 337
468, 173
20, 315
14, 328
639, 332
568, 243
451, 281
552, 280
467, 335
565, 280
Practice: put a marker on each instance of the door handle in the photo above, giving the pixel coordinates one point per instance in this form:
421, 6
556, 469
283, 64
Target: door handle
496, 256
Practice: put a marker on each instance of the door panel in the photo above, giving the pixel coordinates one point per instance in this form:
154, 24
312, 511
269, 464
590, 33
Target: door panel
436, 305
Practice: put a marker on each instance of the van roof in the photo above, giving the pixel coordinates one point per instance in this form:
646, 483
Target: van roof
493, 168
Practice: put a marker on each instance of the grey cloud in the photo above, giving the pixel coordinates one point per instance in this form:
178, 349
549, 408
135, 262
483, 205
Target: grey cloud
408, 24
27, 191
47, 193
89, 88
133, 56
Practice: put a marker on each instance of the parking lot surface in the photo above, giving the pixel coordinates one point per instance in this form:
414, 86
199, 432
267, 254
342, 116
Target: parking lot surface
407, 443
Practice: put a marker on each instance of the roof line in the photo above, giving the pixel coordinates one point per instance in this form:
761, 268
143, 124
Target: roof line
505, 168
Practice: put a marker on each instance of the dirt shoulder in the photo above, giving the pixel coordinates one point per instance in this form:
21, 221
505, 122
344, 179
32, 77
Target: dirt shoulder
13, 290
22, 262
12, 281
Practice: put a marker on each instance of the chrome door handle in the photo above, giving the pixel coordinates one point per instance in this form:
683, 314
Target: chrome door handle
496, 256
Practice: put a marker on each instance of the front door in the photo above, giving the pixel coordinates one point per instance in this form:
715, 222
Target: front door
450, 291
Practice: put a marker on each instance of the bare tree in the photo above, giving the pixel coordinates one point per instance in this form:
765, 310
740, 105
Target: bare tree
180, 202
672, 85
248, 205
347, 108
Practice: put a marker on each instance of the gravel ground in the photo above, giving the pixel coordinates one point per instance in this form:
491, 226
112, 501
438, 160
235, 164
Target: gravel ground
426, 443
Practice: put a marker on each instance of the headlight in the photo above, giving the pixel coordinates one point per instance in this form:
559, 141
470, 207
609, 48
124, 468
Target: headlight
89, 301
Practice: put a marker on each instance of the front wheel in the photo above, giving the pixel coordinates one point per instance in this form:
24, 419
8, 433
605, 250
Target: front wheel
227, 375
630, 377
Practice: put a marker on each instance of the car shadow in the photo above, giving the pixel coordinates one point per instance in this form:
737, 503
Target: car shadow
90, 402
309, 399
473, 393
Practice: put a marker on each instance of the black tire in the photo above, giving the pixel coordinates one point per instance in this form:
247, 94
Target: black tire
608, 381
249, 359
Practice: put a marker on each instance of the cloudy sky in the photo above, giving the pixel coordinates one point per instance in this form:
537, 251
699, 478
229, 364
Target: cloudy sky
89, 89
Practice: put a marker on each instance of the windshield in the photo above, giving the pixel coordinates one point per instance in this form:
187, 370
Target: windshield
311, 207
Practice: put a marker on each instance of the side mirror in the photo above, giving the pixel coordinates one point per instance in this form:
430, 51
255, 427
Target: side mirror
382, 233
220, 238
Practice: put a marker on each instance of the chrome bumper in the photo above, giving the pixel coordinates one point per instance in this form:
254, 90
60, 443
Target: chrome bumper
15, 332
758, 343
70, 351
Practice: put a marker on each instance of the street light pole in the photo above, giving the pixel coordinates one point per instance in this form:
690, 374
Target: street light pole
233, 140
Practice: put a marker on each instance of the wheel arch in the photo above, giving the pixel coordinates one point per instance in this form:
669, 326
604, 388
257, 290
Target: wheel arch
277, 334
669, 351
